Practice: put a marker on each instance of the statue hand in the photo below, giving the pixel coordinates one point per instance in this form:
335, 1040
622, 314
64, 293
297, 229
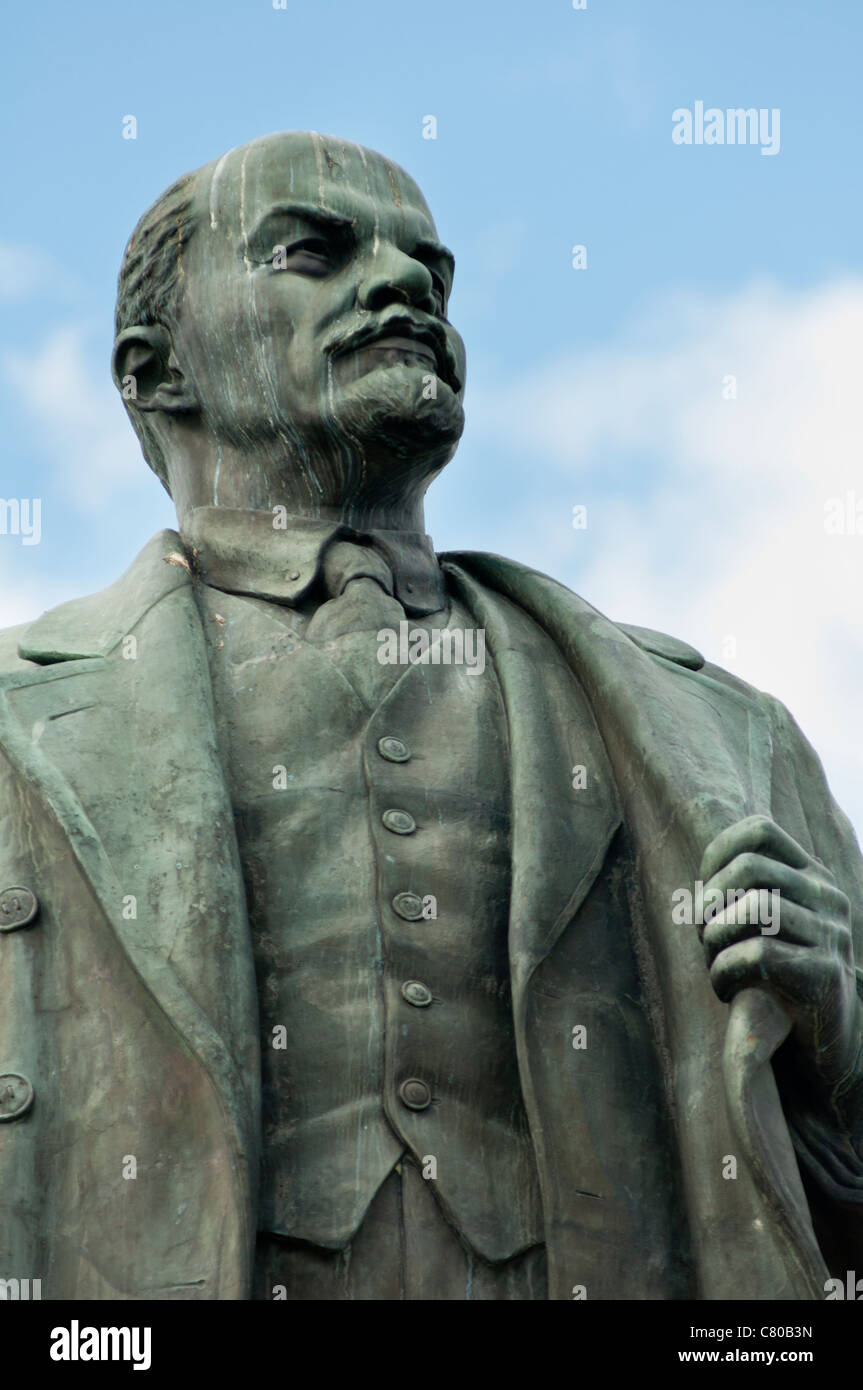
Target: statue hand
796, 945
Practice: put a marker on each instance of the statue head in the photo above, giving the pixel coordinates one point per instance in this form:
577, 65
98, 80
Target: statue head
282, 336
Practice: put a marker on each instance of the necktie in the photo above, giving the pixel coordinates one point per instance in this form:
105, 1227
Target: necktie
360, 583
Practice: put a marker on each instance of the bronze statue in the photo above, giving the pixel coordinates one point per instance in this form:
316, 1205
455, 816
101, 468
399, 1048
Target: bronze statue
378, 924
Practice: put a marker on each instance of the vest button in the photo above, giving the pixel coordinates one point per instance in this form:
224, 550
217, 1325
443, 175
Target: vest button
416, 993
18, 907
395, 750
409, 906
399, 822
415, 1094
16, 1096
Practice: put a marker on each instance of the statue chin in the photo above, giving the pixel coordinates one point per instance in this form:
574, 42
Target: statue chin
387, 412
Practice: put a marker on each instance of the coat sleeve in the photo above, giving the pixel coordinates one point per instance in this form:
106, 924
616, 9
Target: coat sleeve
828, 1144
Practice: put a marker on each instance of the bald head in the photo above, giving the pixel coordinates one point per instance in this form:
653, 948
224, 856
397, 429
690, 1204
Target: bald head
335, 175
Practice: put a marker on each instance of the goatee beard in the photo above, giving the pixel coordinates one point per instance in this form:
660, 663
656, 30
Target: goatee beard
374, 455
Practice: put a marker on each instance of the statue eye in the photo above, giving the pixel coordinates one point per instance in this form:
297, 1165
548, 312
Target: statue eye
314, 250
311, 256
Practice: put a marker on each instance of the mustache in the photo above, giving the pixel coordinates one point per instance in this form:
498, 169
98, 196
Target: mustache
404, 325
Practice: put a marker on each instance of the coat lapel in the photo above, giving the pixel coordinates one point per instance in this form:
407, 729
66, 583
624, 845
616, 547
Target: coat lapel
561, 832
117, 737
690, 758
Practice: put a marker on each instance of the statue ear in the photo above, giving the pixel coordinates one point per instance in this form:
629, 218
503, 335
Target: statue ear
146, 372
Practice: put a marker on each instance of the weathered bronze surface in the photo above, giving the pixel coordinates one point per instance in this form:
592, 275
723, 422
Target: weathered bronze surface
367, 924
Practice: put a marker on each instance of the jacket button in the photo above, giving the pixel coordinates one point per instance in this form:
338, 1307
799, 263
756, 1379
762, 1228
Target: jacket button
16, 1096
399, 822
18, 907
409, 906
395, 750
415, 1094
416, 993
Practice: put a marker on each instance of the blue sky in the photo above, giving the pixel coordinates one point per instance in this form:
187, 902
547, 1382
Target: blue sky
600, 386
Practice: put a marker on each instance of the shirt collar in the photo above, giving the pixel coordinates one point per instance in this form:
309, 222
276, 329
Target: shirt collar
244, 552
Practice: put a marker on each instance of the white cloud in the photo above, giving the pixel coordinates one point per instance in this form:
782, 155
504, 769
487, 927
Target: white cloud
79, 419
98, 499
26, 272
706, 515
21, 271
23, 600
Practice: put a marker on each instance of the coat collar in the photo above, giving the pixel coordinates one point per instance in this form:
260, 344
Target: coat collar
95, 625
236, 551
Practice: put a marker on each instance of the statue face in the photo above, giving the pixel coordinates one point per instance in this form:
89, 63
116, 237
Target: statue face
313, 312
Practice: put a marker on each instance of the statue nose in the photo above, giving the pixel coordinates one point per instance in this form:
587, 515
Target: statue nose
396, 280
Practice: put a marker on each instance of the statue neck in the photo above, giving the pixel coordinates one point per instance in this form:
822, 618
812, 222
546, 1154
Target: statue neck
317, 489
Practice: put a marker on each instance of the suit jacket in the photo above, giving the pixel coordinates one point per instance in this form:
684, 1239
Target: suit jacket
130, 1002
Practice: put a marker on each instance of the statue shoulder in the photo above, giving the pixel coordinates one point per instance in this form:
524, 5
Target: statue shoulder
662, 644
515, 580
682, 654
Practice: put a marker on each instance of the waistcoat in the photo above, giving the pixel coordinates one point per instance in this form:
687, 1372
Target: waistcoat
375, 840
